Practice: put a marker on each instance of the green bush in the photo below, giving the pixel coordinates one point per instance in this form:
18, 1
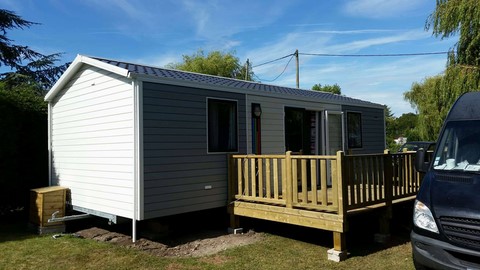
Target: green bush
23, 147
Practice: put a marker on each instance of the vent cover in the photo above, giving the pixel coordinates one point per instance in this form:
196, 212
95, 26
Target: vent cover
455, 178
462, 231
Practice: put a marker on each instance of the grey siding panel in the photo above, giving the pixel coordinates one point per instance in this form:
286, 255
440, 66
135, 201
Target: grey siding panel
272, 129
177, 167
373, 132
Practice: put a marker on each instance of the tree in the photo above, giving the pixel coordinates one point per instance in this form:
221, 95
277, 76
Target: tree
390, 129
462, 18
28, 66
23, 121
334, 89
433, 97
406, 126
214, 63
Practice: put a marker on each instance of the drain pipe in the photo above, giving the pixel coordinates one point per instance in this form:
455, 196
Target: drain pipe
66, 218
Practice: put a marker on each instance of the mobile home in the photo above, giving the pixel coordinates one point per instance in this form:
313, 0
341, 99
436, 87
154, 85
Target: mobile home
142, 142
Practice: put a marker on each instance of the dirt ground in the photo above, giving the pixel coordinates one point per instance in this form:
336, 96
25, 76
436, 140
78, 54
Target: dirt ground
201, 244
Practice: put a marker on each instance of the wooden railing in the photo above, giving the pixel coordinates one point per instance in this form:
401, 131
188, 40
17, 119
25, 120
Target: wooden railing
365, 177
323, 183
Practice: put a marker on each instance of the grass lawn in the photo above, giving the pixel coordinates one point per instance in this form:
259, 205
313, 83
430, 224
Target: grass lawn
20, 249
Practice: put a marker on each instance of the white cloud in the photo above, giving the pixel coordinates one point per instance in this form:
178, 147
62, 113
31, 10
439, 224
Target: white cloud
380, 8
381, 81
158, 60
311, 43
366, 43
352, 32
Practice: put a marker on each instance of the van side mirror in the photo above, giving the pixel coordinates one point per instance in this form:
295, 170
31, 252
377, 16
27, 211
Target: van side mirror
420, 164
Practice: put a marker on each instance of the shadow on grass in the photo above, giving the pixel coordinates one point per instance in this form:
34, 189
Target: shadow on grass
360, 236
15, 230
171, 231
181, 229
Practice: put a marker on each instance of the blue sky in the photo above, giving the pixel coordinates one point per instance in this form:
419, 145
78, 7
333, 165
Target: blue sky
158, 32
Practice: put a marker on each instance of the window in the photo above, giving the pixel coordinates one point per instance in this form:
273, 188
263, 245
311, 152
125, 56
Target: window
222, 126
354, 130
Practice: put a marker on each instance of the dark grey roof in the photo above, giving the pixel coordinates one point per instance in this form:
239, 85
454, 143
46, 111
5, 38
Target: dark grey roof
228, 82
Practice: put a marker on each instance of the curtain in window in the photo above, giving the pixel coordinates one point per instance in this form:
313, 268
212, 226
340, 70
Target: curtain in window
222, 126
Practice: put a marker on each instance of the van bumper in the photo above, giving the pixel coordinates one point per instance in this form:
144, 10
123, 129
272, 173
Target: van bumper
437, 254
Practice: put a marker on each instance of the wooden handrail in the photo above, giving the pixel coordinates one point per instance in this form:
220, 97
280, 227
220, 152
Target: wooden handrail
295, 181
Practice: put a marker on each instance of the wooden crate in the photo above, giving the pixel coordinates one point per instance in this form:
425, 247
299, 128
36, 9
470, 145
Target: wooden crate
44, 202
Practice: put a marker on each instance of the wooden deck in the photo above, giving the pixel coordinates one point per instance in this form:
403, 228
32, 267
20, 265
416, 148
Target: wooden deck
319, 191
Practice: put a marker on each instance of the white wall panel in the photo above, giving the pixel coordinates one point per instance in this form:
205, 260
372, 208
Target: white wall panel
92, 137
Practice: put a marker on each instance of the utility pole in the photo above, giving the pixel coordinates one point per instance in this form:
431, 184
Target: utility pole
247, 69
298, 69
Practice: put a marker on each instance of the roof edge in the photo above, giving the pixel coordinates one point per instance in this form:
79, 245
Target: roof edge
253, 92
75, 66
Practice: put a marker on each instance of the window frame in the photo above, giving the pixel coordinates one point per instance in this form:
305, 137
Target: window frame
349, 130
225, 100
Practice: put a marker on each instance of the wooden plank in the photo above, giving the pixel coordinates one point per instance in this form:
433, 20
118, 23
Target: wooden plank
336, 182
295, 181
246, 181
260, 178
313, 157
363, 171
323, 181
311, 219
318, 207
268, 178
313, 182
283, 177
253, 176
370, 177
239, 175
261, 200
304, 181
275, 178
287, 176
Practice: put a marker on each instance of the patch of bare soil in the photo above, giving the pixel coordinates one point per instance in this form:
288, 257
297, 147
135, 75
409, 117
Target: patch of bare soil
194, 246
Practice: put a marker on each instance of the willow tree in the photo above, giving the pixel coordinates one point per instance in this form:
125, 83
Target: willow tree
435, 95
334, 89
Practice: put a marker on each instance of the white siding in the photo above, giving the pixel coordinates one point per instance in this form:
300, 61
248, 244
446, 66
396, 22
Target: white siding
273, 134
93, 141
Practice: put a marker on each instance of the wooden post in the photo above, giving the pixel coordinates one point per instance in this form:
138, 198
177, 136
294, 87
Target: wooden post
288, 180
230, 181
234, 220
342, 187
384, 223
388, 177
339, 251
339, 241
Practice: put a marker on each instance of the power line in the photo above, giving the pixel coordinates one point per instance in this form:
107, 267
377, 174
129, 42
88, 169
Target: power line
339, 55
373, 55
283, 57
285, 68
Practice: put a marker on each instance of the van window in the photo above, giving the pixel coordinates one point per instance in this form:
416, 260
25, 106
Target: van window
459, 148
